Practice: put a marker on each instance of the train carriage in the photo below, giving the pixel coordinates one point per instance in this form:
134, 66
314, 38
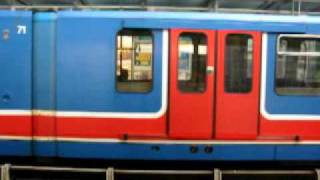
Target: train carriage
150, 85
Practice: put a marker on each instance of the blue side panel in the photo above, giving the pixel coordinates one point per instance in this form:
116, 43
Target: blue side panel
161, 20
298, 152
165, 152
313, 28
15, 148
15, 59
44, 148
86, 59
221, 152
133, 151
44, 61
44, 26
276, 104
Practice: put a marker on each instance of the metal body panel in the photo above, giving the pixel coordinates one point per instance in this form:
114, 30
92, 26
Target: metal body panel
44, 79
44, 60
90, 45
284, 117
15, 76
191, 113
237, 113
144, 151
281, 104
16, 54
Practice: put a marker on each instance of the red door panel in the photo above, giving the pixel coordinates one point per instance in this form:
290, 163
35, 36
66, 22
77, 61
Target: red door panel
191, 113
237, 112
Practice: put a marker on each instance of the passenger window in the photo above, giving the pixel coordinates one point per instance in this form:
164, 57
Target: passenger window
192, 62
238, 63
134, 60
298, 65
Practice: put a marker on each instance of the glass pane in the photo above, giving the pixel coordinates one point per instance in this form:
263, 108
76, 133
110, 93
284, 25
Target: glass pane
134, 61
298, 75
192, 62
238, 63
299, 44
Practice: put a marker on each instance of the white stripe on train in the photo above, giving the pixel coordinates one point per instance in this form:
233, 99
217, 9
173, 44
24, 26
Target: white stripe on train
166, 142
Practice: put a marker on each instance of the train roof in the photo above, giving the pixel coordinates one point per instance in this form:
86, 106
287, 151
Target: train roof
192, 20
198, 16
294, 21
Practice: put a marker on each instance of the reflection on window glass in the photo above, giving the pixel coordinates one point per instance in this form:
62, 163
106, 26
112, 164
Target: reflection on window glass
192, 62
299, 45
238, 63
134, 61
298, 71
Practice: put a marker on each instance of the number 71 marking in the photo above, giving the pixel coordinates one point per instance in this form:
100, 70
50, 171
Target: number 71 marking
21, 29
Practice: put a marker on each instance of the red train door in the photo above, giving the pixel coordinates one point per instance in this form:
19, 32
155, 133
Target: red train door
191, 83
238, 84
223, 104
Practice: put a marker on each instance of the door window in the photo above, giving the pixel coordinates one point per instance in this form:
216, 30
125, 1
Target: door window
192, 62
238, 63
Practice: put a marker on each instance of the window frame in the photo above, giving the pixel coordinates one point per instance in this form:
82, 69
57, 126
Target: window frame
294, 54
206, 65
152, 64
252, 64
